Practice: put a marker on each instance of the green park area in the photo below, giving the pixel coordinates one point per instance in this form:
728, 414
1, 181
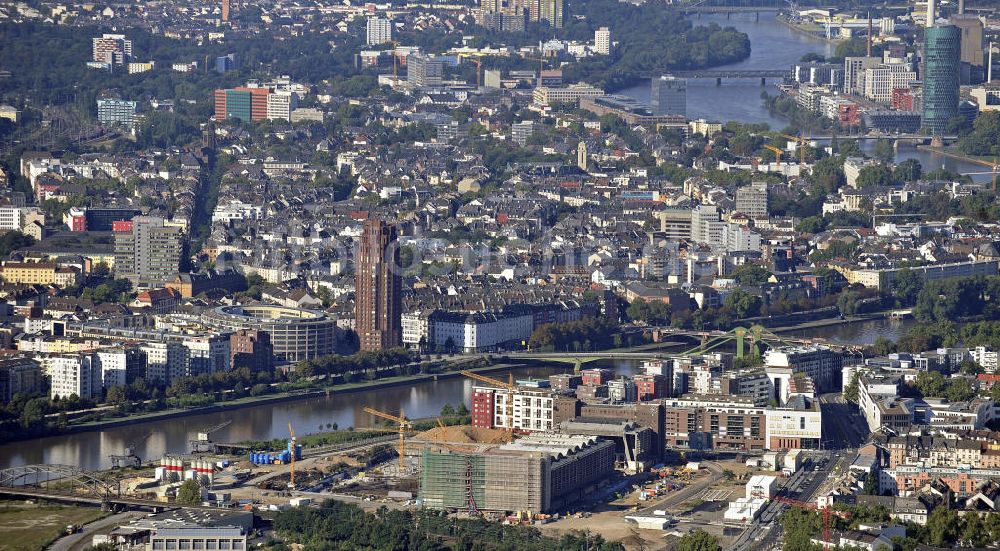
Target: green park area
29, 527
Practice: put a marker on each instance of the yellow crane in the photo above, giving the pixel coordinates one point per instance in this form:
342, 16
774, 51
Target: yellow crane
440, 422
403, 424
291, 468
775, 149
509, 386
479, 71
802, 142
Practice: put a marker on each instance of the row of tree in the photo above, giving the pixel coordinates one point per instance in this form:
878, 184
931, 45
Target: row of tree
340, 526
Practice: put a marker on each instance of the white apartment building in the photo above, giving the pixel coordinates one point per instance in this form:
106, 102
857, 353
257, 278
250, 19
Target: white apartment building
752, 200
207, 354
854, 73
71, 374
378, 30
17, 218
280, 105
986, 358
165, 361
882, 80
112, 365
821, 364
602, 41
532, 408
873, 391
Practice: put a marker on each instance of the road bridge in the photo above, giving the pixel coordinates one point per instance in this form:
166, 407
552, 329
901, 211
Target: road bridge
728, 74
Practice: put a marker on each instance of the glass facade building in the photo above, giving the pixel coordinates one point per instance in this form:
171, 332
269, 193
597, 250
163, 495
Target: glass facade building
942, 65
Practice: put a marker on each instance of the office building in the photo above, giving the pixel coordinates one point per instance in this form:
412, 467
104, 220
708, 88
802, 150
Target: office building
378, 30
971, 28
942, 51
19, 376
602, 41
247, 104
551, 11
854, 73
378, 288
820, 364
668, 96
226, 63
147, 251
752, 200
113, 49
295, 334
116, 112
529, 409
552, 472
424, 71
545, 95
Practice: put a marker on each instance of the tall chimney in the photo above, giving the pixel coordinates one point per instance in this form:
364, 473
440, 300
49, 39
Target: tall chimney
931, 13
869, 34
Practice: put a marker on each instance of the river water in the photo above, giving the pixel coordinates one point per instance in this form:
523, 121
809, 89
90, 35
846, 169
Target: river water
90, 450
774, 46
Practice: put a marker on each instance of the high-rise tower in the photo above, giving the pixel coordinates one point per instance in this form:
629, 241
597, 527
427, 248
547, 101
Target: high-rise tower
378, 288
942, 66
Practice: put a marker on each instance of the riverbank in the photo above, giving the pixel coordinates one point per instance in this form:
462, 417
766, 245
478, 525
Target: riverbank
283, 397
945, 152
807, 32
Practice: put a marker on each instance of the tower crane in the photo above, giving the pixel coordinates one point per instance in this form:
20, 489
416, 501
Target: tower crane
479, 71
801, 145
510, 387
403, 424
776, 150
826, 512
291, 467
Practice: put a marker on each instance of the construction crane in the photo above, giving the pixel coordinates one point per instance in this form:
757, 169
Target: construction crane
774, 149
479, 71
510, 387
403, 424
131, 456
395, 67
801, 145
203, 443
826, 512
291, 464
440, 422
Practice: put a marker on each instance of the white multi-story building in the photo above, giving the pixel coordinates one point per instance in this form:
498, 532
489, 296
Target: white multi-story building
113, 367
165, 361
854, 73
882, 80
468, 332
18, 218
237, 210
207, 354
821, 364
72, 374
986, 358
281, 104
532, 408
378, 31
752, 200
602, 41
706, 226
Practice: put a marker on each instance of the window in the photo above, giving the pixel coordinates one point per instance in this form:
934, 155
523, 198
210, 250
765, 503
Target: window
802, 423
237, 544
158, 544
171, 544
199, 544
224, 544
212, 544
184, 544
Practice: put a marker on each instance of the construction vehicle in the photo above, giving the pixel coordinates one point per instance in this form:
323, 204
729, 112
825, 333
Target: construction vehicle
403, 425
826, 512
203, 443
510, 387
131, 456
291, 447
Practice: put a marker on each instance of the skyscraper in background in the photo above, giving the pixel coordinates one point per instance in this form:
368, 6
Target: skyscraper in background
942, 65
378, 30
378, 288
602, 41
668, 96
551, 11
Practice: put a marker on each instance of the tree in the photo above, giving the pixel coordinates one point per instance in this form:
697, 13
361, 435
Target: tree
874, 175
751, 274
189, 493
743, 304
943, 526
931, 383
447, 410
959, 390
851, 390
907, 171
907, 286
699, 540
883, 346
